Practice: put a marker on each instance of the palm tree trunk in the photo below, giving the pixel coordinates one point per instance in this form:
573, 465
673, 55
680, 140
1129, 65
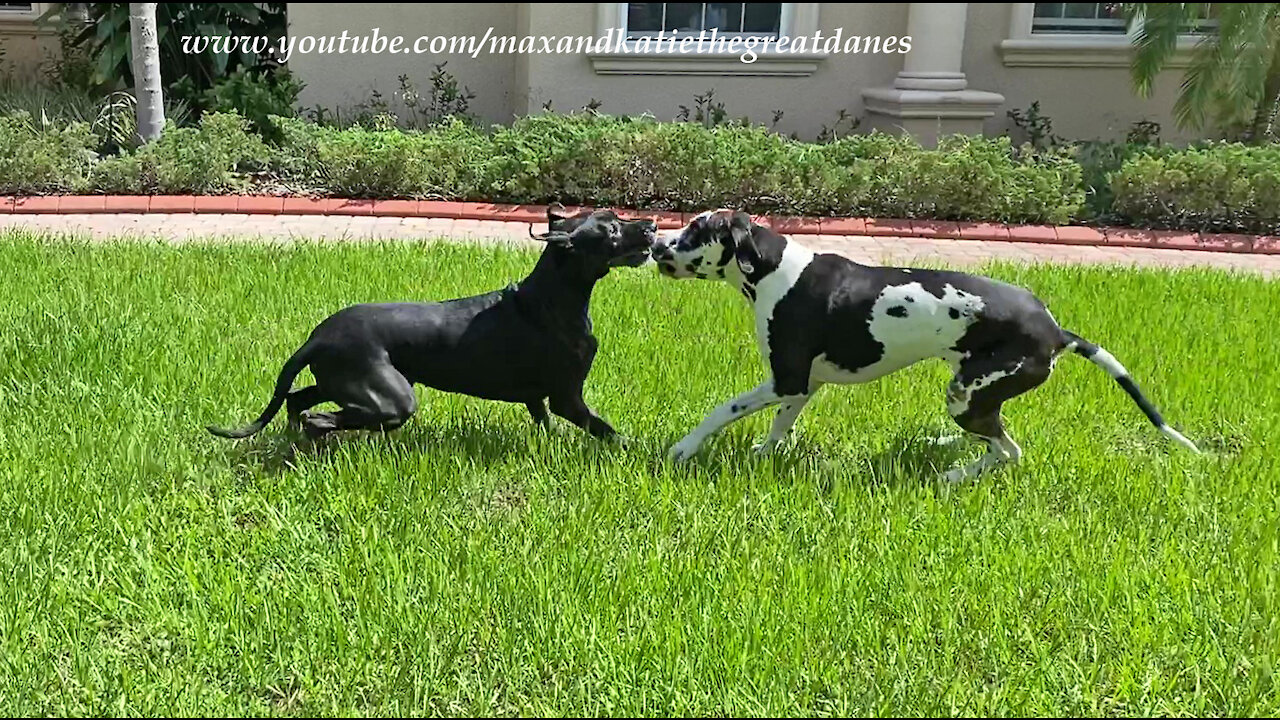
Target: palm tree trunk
146, 70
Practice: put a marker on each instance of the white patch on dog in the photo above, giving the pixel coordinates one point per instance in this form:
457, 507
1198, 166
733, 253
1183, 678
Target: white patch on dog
958, 396
772, 287
1108, 362
927, 330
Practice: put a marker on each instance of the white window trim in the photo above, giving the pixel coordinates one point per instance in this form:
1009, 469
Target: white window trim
28, 15
1024, 48
23, 22
798, 19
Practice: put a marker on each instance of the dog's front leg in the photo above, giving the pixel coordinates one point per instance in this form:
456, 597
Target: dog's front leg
573, 408
783, 421
750, 402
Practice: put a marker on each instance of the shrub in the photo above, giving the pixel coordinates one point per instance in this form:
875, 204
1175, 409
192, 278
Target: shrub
210, 158
38, 158
1217, 186
557, 157
447, 162
256, 96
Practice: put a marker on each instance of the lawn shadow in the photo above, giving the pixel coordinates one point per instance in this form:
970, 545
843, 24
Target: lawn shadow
913, 459
488, 443
909, 459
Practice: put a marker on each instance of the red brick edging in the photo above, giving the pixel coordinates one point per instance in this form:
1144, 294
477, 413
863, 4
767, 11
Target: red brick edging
272, 205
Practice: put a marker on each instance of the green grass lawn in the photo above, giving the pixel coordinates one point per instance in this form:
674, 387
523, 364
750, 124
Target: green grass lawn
470, 564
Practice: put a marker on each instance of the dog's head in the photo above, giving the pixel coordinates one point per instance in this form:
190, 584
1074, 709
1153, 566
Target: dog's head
595, 241
710, 246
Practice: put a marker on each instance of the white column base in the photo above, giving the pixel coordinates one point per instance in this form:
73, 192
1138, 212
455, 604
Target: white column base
930, 114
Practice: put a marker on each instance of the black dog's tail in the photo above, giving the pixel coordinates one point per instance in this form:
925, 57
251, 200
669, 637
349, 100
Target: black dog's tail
292, 367
1107, 361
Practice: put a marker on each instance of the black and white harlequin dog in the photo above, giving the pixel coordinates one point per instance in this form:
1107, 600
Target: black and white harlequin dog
821, 318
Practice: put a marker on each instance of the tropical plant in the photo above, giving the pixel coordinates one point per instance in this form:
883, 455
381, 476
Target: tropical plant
107, 36
1234, 77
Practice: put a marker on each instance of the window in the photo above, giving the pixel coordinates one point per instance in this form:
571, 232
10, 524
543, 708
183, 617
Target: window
1098, 18
751, 19
1085, 35
17, 8
1095, 19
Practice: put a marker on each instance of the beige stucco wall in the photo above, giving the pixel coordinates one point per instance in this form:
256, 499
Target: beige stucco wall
808, 102
23, 47
338, 80
1084, 103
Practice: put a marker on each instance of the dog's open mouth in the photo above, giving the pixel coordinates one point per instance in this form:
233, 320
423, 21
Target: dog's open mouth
633, 259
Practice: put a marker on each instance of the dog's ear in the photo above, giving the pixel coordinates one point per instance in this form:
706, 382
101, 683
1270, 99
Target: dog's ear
552, 237
744, 245
556, 214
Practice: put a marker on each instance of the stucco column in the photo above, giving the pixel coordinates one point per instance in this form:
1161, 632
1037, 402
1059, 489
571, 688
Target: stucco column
930, 96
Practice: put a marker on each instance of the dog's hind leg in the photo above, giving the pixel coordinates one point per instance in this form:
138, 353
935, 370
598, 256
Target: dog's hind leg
975, 398
381, 399
301, 400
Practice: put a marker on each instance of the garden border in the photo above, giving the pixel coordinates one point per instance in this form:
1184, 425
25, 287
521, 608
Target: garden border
947, 229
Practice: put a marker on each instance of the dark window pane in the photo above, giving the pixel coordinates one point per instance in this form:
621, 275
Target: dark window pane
1080, 10
685, 17
727, 17
1049, 10
763, 17
644, 17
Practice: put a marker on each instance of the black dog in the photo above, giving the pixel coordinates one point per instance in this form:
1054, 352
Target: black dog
526, 343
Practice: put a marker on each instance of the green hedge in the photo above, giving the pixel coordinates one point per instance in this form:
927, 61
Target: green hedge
1216, 186
594, 159
588, 158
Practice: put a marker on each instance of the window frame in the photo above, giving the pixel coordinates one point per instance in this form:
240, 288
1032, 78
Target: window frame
784, 20
1026, 48
796, 20
33, 11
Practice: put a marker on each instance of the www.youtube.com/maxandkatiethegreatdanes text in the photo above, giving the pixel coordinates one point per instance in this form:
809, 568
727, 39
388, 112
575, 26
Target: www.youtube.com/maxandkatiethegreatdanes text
748, 48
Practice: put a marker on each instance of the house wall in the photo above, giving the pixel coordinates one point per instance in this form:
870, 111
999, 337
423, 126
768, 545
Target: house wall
23, 46
808, 103
338, 80
1083, 102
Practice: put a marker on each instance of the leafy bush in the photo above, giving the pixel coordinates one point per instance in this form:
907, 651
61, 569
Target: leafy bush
211, 158
446, 162
38, 158
1217, 186
256, 96
106, 38
110, 116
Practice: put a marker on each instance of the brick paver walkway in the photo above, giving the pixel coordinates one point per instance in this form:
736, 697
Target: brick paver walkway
872, 250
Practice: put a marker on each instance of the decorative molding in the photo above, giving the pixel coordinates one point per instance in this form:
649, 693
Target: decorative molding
1086, 51
773, 64
956, 104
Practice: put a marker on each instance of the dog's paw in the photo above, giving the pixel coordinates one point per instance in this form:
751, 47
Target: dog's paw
768, 447
682, 451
